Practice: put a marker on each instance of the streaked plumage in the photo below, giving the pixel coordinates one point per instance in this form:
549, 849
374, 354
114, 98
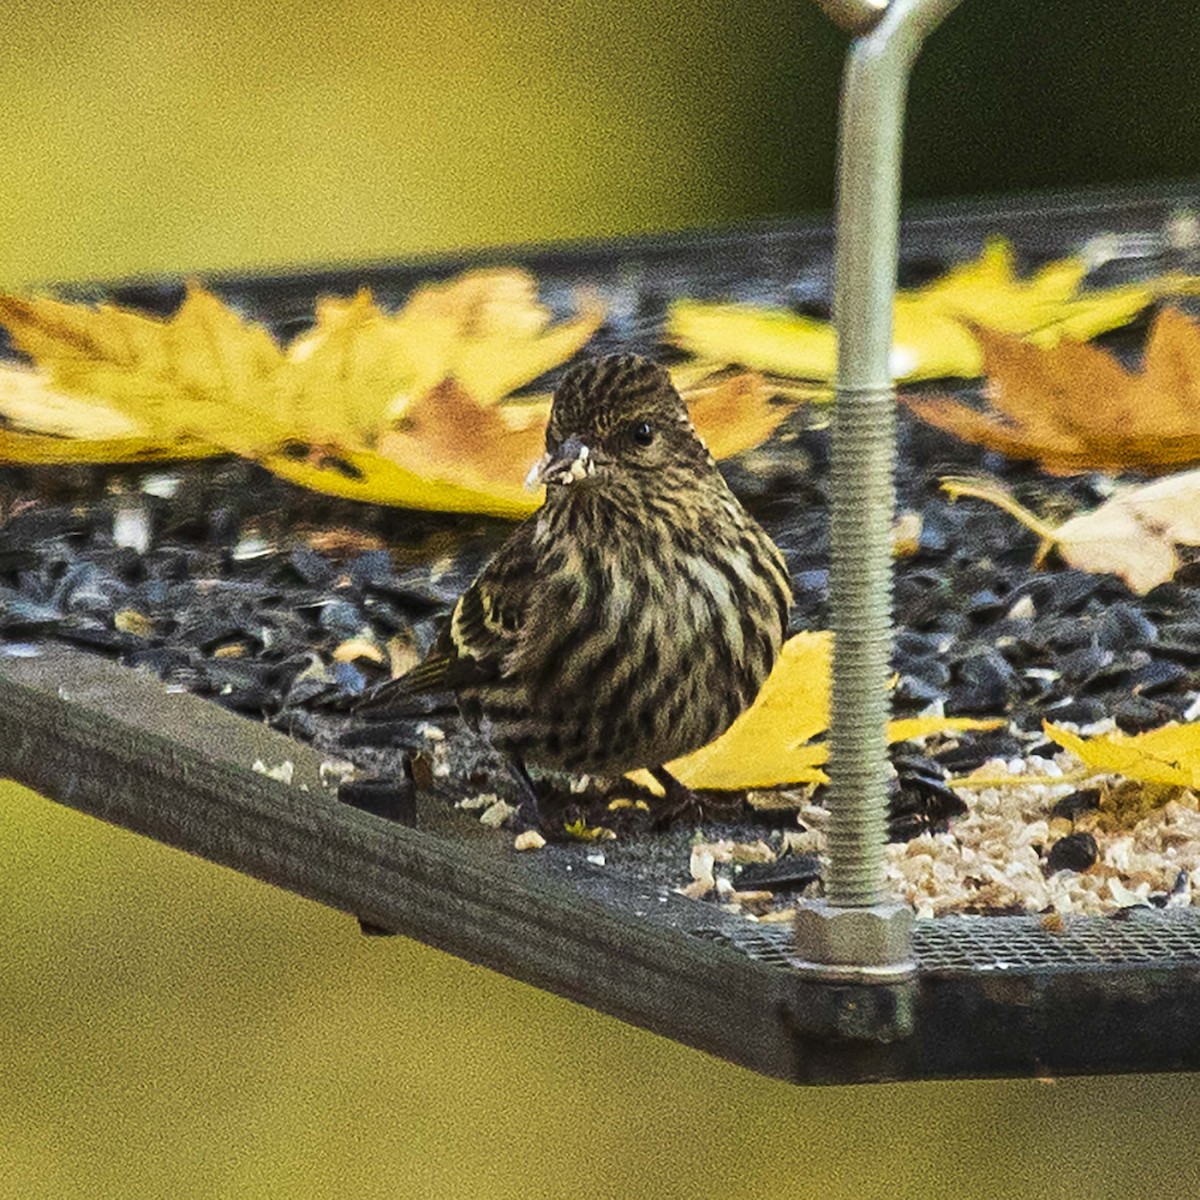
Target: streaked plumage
636, 613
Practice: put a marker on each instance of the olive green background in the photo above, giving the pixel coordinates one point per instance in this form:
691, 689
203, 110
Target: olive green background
169, 1028
191, 135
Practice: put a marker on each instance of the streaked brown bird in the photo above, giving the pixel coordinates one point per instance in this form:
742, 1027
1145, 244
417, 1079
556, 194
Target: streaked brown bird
632, 617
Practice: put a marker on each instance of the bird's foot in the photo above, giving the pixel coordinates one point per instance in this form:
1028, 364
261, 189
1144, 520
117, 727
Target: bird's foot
529, 811
682, 803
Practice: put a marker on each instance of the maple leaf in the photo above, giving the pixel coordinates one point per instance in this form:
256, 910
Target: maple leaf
771, 744
39, 423
1133, 534
448, 451
935, 326
1074, 408
735, 413
358, 370
492, 333
401, 408
114, 385
199, 377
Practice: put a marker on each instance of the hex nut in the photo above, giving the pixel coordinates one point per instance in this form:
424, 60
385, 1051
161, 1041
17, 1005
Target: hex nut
879, 936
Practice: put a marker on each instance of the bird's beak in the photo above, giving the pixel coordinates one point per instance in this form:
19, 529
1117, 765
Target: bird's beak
570, 461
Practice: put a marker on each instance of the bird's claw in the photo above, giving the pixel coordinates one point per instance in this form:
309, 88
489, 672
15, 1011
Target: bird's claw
680, 802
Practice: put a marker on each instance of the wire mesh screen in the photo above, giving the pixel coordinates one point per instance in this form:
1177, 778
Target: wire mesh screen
1137, 938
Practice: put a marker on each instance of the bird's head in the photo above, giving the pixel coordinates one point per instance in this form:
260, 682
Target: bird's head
618, 416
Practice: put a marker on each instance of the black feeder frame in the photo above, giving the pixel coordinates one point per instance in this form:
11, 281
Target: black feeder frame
986, 996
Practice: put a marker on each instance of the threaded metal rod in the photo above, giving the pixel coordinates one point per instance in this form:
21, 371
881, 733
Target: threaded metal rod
863, 490
861, 590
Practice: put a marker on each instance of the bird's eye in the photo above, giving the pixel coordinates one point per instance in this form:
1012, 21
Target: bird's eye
641, 432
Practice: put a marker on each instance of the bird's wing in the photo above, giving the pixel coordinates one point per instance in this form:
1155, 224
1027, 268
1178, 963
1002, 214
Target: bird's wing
484, 627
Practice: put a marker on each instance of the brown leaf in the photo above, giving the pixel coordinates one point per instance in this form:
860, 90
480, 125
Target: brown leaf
735, 414
447, 435
1074, 408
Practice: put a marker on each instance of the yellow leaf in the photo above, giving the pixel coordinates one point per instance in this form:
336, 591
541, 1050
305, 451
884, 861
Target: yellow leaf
369, 476
396, 408
336, 413
356, 648
358, 370
763, 339
36, 449
45, 425
770, 744
932, 334
907, 729
487, 330
29, 401
220, 373
196, 376
344, 377
1168, 755
449, 452
1045, 307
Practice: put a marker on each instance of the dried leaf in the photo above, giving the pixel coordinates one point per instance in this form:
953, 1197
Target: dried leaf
1169, 755
448, 436
771, 744
763, 339
450, 452
359, 369
735, 414
347, 376
1133, 535
487, 330
199, 376
934, 334
399, 408
41, 424
340, 412
29, 400
369, 476
37, 449
1074, 408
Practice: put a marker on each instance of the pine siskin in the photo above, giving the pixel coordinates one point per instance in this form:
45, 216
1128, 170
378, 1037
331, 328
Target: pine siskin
635, 614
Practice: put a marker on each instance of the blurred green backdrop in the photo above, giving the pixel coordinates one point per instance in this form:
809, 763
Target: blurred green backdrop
188, 134
168, 1028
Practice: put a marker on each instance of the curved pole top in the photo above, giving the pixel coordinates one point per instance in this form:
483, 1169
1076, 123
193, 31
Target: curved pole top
855, 16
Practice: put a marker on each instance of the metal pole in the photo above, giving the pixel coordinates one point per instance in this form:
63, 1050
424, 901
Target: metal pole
854, 926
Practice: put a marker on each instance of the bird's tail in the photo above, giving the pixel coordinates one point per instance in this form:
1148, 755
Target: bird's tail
398, 697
